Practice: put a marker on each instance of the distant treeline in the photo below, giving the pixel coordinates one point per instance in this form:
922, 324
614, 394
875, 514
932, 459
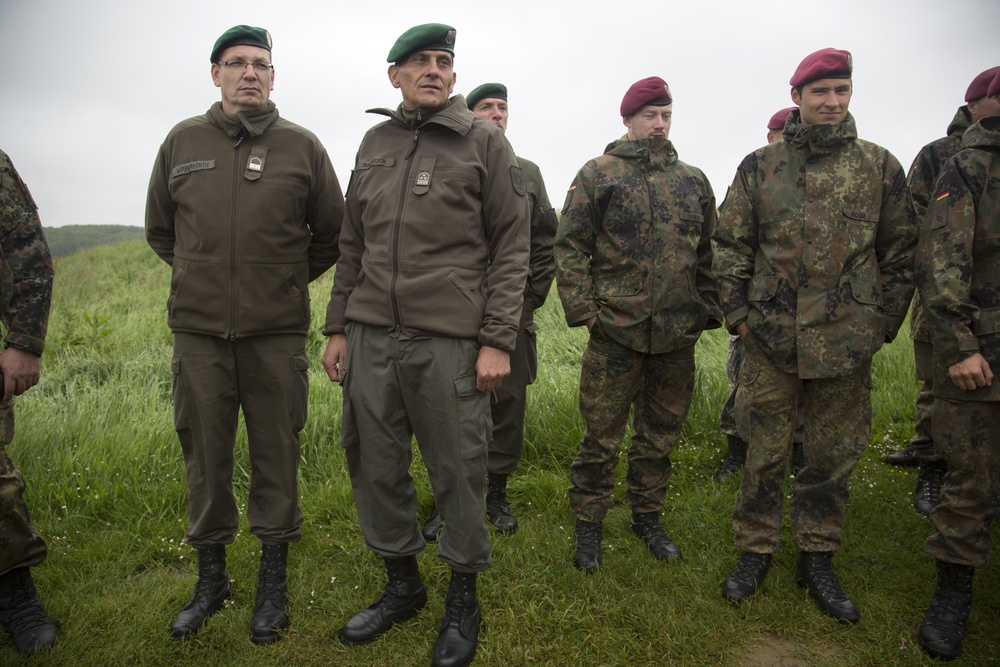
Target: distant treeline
64, 241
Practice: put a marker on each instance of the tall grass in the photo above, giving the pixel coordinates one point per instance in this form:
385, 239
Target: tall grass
106, 487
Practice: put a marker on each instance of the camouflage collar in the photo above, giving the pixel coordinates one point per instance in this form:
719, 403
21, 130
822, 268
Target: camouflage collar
985, 134
961, 122
655, 150
819, 139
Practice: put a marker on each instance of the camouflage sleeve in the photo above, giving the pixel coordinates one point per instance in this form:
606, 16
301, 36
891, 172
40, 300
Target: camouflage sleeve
160, 209
542, 266
574, 247
895, 245
944, 265
920, 180
707, 287
734, 245
27, 263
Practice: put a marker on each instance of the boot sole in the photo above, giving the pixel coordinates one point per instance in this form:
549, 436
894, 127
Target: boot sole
801, 583
268, 636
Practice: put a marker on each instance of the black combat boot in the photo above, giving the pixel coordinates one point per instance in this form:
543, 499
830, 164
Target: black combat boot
433, 525
906, 458
210, 593
269, 614
646, 526
747, 577
736, 457
456, 643
404, 596
930, 481
588, 546
496, 505
814, 571
944, 626
22, 614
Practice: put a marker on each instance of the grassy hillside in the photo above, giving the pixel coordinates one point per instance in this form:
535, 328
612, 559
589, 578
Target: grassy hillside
106, 487
64, 241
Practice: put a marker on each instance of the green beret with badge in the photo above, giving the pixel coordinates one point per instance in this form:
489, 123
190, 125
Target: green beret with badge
425, 37
487, 90
241, 35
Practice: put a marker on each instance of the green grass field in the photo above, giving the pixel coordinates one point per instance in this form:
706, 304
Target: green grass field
95, 441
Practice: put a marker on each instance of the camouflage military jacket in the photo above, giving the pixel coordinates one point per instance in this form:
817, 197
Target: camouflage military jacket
814, 249
26, 267
958, 261
923, 173
633, 247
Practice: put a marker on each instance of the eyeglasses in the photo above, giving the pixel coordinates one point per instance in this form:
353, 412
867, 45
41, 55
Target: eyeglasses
241, 65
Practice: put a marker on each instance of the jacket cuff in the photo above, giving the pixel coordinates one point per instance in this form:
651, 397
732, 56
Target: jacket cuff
25, 342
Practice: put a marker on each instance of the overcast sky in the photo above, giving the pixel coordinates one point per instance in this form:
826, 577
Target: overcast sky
90, 89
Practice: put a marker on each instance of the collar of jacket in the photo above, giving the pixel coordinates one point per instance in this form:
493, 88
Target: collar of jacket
819, 140
255, 122
985, 134
961, 122
455, 115
654, 151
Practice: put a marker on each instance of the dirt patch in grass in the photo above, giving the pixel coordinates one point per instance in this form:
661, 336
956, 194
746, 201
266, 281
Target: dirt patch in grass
777, 651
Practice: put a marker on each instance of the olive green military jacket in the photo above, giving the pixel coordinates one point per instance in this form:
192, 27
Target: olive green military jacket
814, 249
436, 236
26, 264
246, 209
633, 247
958, 261
920, 179
542, 263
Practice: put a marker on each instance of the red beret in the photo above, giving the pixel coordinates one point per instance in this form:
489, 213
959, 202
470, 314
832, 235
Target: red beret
777, 121
652, 90
981, 84
994, 89
824, 64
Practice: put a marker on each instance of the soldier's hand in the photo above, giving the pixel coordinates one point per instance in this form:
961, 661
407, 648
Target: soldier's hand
971, 373
492, 366
742, 330
21, 371
590, 322
335, 357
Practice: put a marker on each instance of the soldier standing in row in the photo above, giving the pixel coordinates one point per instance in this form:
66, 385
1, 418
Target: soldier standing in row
423, 318
814, 257
245, 208
489, 102
958, 275
25, 300
736, 447
634, 260
921, 178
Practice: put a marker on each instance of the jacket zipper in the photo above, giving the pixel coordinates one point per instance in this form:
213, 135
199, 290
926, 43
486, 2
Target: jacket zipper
234, 295
397, 230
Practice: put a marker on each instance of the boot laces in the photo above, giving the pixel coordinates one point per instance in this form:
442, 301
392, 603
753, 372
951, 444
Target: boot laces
933, 481
748, 567
455, 603
588, 533
26, 618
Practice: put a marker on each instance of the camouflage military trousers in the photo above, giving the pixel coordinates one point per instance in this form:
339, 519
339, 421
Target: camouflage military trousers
965, 435
20, 544
657, 388
727, 416
837, 413
923, 437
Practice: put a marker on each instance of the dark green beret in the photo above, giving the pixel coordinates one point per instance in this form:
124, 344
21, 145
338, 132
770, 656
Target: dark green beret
426, 37
496, 90
241, 35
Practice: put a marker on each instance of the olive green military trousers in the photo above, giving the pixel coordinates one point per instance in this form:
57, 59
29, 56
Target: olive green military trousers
397, 387
266, 376
509, 404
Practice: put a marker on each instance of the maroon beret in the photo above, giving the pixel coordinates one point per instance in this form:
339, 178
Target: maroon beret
777, 121
994, 88
824, 64
652, 90
980, 86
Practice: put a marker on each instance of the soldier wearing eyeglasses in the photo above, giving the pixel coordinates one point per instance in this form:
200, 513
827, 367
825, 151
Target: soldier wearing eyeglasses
246, 209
